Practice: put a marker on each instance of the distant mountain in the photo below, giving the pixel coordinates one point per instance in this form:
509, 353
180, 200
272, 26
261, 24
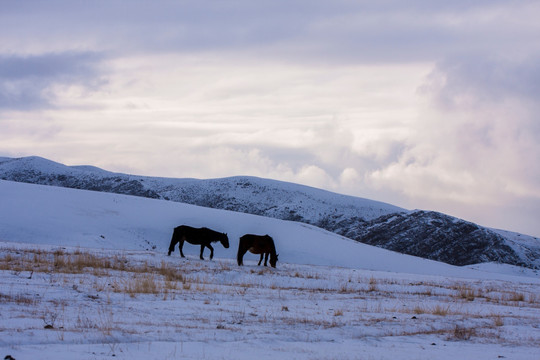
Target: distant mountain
242, 194
425, 234
438, 236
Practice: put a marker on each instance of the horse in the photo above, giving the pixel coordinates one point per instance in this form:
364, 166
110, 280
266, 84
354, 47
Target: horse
257, 244
197, 236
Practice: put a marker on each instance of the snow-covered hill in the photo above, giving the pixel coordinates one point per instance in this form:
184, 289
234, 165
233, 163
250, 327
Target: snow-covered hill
246, 194
77, 218
58, 216
445, 238
426, 234
86, 275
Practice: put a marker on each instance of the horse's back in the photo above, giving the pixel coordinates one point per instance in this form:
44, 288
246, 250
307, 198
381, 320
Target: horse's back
257, 243
248, 240
197, 235
187, 233
190, 230
183, 229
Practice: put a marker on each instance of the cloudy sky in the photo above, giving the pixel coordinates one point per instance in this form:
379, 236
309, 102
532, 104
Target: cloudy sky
422, 104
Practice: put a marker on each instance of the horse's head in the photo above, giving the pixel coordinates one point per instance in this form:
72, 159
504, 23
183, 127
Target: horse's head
273, 260
224, 239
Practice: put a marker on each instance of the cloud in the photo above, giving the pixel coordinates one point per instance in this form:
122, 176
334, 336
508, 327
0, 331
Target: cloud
473, 150
28, 82
477, 79
490, 112
300, 31
422, 104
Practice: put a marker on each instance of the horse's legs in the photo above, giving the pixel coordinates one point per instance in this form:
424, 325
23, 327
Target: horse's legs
240, 255
211, 251
260, 260
202, 249
265, 258
180, 246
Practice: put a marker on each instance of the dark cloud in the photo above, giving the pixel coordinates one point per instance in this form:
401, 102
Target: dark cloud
64, 65
475, 81
26, 81
390, 31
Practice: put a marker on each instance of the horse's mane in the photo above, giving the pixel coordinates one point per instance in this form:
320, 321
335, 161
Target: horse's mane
213, 232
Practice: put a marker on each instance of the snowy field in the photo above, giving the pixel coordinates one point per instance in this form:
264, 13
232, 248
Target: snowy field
85, 275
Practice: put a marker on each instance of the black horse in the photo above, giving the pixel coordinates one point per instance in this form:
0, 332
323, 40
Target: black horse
197, 236
257, 244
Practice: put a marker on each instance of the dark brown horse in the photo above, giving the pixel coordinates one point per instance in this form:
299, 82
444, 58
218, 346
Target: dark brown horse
197, 236
257, 244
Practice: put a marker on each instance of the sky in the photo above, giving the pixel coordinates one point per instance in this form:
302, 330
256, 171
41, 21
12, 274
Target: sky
422, 104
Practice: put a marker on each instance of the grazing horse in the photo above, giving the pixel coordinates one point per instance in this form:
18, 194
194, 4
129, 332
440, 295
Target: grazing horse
257, 244
202, 236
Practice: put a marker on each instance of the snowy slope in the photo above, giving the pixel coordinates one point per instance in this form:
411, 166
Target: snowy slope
58, 216
448, 239
242, 193
85, 275
425, 234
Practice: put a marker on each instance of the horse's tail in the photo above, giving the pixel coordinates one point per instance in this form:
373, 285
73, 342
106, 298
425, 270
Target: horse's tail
240, 255
174, 241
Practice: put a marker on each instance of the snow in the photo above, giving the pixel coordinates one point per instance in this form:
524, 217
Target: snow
341, 214
250, 194
328, 298
529, 240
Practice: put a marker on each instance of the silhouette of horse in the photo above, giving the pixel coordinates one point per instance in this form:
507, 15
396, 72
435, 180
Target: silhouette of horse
257, 244
197, 236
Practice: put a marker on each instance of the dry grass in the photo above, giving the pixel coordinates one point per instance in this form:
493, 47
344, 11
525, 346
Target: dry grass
498, 320
441, 310
18, 299
306, 275
58, 261
144, 284
456, 333
140, 278
170, 273
515, 296
372, 284
304, 299
465, 292
462, 333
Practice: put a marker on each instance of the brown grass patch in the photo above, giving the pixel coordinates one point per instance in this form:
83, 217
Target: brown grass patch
18, 299
462, 333
141, 278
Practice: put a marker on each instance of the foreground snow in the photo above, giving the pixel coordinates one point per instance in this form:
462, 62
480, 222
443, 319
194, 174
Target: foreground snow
147, 305
92, 268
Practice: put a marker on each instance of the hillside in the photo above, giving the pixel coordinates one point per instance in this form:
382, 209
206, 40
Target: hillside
76, 218
425, 234
93, 269
45, 215
443, 237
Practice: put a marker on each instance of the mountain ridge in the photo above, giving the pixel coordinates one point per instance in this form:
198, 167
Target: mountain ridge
426, 234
